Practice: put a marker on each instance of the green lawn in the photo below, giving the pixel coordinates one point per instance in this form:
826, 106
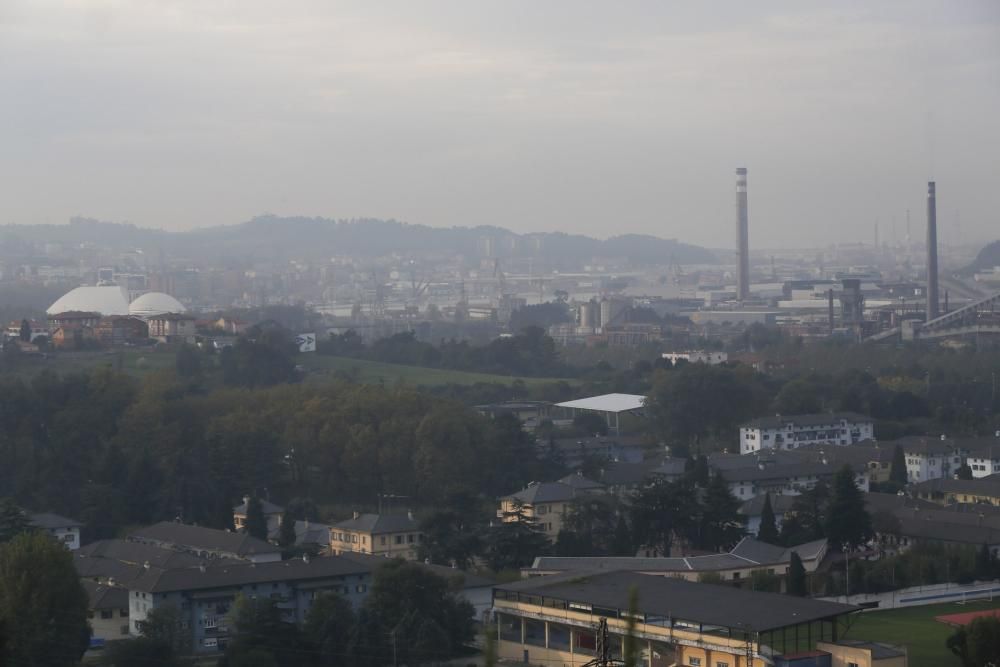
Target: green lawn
916, 629
140, 361
378, 372
134, 361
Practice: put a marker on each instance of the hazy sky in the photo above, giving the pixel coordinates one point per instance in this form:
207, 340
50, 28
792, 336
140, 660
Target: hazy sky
595, 117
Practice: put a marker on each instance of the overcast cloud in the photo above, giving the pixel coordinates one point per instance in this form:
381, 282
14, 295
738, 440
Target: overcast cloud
594, 117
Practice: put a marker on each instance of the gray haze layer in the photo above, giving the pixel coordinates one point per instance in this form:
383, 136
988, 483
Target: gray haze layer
592, 117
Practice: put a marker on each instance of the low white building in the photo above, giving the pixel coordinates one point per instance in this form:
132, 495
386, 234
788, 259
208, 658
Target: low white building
784, 433
697, 357
932, 458
65, 531
983, 456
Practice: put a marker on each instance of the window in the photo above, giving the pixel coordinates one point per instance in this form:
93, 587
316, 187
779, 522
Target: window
124, 629
721, 664
409, 539
123, 613
543, 509
107, 613
399, 539
694, 662
354, 539
852, 664
381, 540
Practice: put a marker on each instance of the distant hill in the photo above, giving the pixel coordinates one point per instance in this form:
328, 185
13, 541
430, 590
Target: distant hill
270, 237
987, 258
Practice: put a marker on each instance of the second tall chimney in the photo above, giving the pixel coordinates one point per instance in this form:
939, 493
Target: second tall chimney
742, 237
932, 259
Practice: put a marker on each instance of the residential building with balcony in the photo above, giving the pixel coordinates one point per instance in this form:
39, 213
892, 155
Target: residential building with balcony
791, 432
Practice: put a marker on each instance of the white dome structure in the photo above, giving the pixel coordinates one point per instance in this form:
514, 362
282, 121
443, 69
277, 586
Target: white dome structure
155, 303
103, 299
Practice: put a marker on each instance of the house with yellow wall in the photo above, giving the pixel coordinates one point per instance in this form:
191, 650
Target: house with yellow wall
391, 535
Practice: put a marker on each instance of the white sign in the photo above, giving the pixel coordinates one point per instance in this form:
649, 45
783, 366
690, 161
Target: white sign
306, 342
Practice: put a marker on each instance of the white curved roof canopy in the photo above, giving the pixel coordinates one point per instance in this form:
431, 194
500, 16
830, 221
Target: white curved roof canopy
103, 299
155, 303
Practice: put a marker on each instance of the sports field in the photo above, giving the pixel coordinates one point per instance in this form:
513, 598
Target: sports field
916, 629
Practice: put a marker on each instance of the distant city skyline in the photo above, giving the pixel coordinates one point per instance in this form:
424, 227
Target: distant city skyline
580, 117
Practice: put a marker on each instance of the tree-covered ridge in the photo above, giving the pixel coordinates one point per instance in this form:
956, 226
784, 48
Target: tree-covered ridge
304, 237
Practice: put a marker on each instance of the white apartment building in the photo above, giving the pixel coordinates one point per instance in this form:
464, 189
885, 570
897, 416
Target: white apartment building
63, 530
932, 458
784, 433
983, 456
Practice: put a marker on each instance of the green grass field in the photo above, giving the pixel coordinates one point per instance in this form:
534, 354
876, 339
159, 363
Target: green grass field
134, 361
916, 629
376, 372
140, 361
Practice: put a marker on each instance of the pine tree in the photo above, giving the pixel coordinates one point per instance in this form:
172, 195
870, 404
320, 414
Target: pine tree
13, 521
768, 531
256, 524
848, 523
897, 473
25, 333
796, 584
286, 531
722, 523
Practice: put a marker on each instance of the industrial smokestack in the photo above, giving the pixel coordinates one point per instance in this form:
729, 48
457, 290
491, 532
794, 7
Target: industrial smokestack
742, 237
932, 259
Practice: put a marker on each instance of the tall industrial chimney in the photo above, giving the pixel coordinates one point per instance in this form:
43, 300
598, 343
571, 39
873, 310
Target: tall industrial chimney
742, 237
932, 259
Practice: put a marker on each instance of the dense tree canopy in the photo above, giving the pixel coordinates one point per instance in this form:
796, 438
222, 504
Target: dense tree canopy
43, 606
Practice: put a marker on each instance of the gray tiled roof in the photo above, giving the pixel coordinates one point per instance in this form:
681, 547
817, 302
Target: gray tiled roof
545, 492
669, 597
136, 553
101, 596
235, 575
51, 521
380, 523
198, 538
819, 419
581, 483
748, 553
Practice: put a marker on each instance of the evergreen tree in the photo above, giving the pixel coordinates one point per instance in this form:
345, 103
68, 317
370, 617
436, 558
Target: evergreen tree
25, 333
328, 627
848, 523
796, 583
286, 531
964, 472
624, 544
897, 472
768, 531
721, 521
515, 541
256, 523
43, 606
13, 521
985, 562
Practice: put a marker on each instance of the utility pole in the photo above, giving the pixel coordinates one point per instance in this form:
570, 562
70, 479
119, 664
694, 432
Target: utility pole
603, 648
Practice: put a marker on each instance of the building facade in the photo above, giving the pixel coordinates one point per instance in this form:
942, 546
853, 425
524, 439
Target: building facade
390, 535
784, 433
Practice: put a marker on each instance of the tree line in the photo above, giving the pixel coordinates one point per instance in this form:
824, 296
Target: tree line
114, 451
